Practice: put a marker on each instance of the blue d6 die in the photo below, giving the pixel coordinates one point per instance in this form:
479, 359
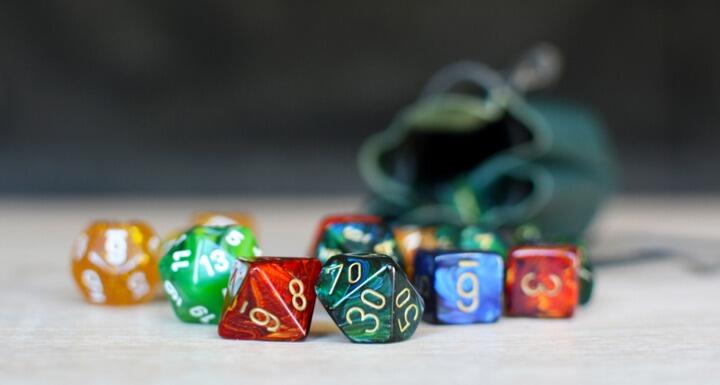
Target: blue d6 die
460, 287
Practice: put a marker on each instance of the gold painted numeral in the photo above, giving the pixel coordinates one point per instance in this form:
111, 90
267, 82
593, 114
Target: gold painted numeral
363, 317
539, 288
297, 288
412, 307
473, 294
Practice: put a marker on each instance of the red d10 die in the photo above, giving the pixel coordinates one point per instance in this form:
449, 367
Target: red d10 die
270, 299
542, 281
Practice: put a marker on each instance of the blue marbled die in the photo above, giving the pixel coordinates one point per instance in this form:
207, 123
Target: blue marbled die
460, 287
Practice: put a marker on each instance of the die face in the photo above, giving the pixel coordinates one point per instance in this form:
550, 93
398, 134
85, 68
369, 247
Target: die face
369, 298
542, 281
354, 234
478, 238
114, 263
196, 268
468, 287
272, 300
408, 308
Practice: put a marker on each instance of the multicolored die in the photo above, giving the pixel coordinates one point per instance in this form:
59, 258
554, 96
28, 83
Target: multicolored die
196, 268
529, 234
460, 287
542, 281
114, 262
411, 238
369, 297
270, 299
354, 233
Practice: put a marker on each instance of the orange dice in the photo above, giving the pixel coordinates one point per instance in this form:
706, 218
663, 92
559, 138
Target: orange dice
542, 281
115, 263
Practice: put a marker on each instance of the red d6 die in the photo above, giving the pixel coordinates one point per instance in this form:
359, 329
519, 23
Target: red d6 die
542, 281
270, 299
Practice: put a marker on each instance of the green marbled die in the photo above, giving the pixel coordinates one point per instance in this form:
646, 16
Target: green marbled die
196, 268
369, 297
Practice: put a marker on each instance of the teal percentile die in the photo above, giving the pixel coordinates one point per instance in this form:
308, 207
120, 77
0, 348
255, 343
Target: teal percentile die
460, 287
369, 297
196, 268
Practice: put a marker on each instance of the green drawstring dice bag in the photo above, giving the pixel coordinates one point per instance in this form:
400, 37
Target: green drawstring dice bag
474, 150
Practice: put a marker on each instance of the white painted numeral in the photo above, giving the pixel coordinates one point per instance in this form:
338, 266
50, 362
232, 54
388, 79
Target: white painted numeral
180, 260
116, 246
172, 293
91, 280
201, 313
81, 245
216, 262
138, 284
234, 238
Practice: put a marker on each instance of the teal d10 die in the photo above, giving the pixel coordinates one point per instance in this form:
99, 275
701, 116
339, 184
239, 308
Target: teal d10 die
460, 287
196, 268
369, 297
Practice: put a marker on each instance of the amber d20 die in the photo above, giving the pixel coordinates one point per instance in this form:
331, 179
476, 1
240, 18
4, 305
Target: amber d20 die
542, 281
270, 299
115, 263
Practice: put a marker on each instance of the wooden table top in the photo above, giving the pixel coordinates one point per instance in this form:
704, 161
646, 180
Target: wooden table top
655, 317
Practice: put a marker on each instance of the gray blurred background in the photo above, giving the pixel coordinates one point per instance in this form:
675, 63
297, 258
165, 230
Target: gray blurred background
171, 97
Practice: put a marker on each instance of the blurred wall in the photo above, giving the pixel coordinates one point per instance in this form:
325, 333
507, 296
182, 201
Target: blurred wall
275, 96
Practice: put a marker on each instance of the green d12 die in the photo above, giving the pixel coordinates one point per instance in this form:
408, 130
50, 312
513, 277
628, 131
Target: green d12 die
196, 268
369, 297
481, 239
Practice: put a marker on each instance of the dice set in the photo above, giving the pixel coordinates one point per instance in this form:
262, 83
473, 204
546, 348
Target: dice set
377, 282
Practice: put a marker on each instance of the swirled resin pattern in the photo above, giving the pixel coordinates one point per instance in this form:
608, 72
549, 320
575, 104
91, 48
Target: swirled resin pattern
272, 300
460, 287
369, 297
542, 281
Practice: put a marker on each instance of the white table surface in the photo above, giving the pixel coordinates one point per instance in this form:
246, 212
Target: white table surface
655, 319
